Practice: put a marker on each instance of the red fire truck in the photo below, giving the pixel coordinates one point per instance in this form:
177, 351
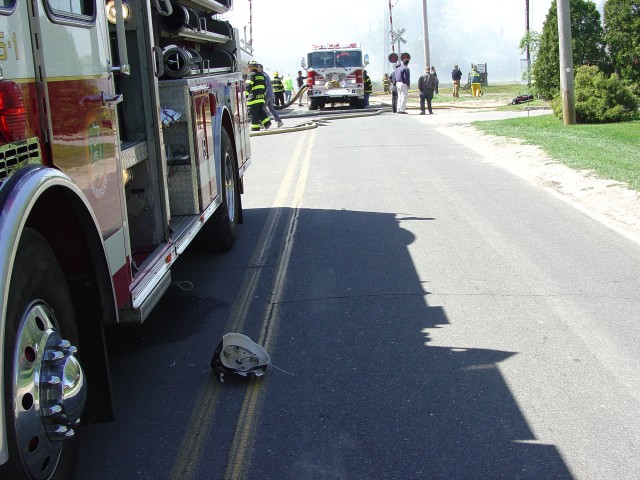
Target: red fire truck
123, 134
335, 74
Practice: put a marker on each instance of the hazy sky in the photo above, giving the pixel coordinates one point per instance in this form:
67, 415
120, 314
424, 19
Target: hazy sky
459, 30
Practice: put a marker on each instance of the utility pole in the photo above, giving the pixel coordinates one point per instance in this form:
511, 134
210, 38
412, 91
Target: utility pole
526, 25
566, 63
425, 31
391, 28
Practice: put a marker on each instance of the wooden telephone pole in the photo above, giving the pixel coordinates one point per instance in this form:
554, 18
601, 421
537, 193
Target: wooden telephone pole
566, 63
425, 31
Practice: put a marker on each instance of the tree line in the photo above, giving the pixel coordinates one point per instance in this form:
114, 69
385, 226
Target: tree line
606, 59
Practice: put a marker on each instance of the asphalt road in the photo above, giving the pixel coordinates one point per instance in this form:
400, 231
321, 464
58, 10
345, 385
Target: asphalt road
429, 315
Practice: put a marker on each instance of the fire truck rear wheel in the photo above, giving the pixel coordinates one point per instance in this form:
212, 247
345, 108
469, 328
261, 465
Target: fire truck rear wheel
40, 342
313, 104
219, 233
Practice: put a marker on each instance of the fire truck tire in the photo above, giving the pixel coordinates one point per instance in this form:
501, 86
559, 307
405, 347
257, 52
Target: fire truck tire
313, 104
220, 231
39, 311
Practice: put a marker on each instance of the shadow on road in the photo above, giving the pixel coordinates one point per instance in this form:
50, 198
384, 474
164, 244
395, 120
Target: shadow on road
372, 398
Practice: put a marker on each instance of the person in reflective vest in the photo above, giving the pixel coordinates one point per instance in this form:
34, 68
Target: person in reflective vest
288, 87
386, 83
256, 90
278, 89
474, 78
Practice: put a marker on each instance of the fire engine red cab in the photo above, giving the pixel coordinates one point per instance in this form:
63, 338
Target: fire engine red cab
124, 136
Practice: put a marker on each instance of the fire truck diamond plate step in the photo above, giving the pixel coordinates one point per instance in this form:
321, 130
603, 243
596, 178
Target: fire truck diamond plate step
133, 152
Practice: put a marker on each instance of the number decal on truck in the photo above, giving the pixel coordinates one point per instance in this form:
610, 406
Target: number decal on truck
5, 46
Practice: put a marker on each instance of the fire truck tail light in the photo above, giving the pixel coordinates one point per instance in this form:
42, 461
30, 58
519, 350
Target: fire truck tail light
13, 115
351, 79
359, 76
314, 79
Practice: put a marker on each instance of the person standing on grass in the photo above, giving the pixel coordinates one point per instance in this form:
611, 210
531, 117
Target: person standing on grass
475, 81
427, 84
433, 72
456, 76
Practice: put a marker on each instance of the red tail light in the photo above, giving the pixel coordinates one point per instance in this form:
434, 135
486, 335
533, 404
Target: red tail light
13, 118
314, 79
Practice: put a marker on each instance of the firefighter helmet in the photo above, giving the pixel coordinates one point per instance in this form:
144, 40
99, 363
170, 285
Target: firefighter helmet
238, 355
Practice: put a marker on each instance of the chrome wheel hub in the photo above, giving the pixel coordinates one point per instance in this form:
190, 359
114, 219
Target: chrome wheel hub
230, 186
49, 390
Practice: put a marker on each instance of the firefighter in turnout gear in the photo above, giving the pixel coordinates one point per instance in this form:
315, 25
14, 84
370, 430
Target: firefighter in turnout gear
368, 88
278, 89
256, 90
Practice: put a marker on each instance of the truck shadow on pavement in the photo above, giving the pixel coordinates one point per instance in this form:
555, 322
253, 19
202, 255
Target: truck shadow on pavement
372, 398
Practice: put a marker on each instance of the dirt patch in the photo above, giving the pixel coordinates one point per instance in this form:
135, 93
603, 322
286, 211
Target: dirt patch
607, 201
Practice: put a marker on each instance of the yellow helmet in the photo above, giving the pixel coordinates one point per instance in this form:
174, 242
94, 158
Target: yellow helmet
276, 74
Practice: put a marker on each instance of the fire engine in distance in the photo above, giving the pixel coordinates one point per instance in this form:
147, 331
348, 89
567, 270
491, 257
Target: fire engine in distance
335, 74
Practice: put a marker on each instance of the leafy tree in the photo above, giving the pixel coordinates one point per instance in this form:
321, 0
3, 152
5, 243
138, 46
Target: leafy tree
531, 39
600, 99
622, 32
587, 42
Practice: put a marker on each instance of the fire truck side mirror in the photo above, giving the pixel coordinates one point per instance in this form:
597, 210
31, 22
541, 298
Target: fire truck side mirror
366, 59
303, 64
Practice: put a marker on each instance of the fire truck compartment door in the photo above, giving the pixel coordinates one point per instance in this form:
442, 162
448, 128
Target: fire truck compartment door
74, 60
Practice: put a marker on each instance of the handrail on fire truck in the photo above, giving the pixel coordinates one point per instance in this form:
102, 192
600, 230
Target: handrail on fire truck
124, 68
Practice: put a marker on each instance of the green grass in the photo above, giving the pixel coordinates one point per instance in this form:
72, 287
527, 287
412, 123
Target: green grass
610, 151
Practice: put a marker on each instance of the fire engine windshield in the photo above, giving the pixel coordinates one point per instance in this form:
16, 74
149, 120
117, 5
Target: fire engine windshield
335, 58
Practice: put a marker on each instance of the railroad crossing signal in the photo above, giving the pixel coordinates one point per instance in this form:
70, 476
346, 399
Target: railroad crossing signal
397, 36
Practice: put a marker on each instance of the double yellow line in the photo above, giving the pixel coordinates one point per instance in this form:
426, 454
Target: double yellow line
196, 433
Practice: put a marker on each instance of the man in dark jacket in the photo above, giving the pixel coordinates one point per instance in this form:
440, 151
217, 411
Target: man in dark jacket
394, 90
427, 84
300, 81
456, 75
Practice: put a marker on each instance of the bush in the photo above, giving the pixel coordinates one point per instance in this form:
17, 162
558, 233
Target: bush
600, 99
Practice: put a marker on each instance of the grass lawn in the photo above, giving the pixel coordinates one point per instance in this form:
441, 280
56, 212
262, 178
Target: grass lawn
611, 151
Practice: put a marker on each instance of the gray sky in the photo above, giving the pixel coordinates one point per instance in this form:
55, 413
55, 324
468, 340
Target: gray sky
460, 31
